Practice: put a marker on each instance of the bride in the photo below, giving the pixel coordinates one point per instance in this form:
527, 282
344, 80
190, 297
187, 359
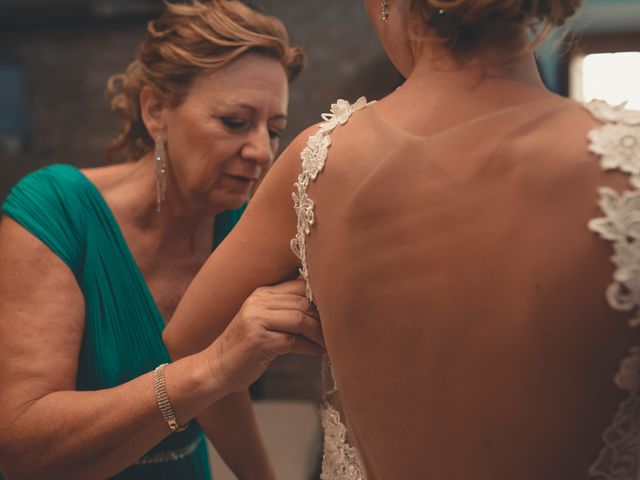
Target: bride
457, 239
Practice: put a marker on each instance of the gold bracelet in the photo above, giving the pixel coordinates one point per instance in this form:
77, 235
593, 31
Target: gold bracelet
162, 398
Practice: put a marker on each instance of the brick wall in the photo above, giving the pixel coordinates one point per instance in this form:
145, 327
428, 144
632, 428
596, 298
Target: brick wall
65, 70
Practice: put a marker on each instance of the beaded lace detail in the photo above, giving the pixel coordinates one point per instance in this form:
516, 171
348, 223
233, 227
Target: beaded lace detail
618, 144
340, 460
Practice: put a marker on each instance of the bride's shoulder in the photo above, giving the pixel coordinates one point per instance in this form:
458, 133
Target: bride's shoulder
339, 116
597, 125
594, 144
311, 146
612, 132
595, 115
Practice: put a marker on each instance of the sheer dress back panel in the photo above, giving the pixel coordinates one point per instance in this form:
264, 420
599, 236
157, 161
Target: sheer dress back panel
462, 294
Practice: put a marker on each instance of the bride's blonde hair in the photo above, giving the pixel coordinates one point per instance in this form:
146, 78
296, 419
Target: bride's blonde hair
467, 27
186, 41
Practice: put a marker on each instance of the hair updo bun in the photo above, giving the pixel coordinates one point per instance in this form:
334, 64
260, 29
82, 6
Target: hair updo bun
186, 41
466, 27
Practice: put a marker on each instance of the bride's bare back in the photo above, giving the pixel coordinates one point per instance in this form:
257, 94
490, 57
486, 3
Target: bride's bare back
462, 293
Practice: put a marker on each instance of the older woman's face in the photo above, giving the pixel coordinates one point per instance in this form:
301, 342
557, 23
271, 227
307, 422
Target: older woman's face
224, 136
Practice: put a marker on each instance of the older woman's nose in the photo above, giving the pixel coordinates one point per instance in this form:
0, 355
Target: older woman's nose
258, 148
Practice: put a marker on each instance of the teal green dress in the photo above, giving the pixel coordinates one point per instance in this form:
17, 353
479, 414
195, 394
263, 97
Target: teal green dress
123, 327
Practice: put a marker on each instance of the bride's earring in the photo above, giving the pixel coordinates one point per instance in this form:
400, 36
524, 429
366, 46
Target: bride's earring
160, 155
385, 10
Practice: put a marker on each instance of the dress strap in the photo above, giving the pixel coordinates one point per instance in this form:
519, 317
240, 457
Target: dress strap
313, 157
617, 142
340, 460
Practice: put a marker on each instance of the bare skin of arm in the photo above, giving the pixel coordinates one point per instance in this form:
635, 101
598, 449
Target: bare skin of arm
231, 427
254, 256
51, 431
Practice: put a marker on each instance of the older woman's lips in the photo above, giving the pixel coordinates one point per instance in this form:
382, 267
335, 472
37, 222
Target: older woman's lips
241, 179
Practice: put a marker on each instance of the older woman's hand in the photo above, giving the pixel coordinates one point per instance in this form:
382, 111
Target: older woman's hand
273, 321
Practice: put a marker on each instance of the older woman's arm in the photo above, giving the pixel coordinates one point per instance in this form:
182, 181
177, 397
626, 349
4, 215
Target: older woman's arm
50, 431
255, 255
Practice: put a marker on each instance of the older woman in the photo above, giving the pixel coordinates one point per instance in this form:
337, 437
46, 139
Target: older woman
95, 261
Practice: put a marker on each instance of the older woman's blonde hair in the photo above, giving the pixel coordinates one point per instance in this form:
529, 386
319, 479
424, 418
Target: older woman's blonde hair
186, 41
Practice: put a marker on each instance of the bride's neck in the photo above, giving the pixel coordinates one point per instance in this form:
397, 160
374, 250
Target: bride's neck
488, 81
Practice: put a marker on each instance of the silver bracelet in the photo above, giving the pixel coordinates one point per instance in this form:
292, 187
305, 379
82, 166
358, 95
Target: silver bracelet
164, 404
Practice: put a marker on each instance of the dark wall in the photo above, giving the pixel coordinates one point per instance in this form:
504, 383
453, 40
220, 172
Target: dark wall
66, 59
65, 70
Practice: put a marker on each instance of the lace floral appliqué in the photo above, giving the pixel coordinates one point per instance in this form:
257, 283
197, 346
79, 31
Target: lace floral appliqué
340, 460
313, 157
618, 140
618, 144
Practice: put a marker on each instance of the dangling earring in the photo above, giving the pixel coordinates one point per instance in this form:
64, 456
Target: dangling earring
161, 172
385, 10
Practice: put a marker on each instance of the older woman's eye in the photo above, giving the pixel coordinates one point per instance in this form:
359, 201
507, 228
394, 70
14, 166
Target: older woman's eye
233, 123
275, 134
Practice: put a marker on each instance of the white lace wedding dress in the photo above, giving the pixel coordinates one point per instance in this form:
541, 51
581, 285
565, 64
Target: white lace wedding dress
617, 143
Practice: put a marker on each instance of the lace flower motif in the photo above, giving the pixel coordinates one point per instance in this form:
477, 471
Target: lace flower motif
613, 113
618, 141
624, 293
622, 215
339, 461
314, 156
621, 223
619, 460
627, 377
340, 113
618, 144
315, 153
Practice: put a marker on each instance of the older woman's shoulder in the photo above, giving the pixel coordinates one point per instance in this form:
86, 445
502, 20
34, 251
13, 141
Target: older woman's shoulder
53, 191
59, 177
50, 203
